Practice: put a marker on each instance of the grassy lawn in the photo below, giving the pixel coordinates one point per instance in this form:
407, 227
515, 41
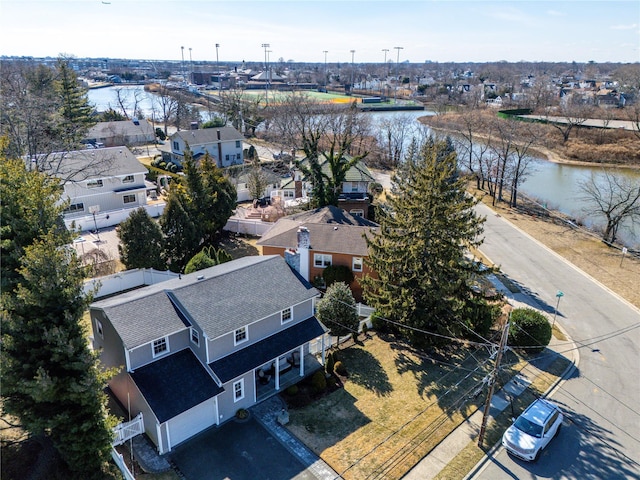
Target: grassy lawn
396, 405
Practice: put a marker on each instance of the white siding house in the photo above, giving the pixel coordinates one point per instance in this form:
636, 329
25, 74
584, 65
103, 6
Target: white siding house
223, 144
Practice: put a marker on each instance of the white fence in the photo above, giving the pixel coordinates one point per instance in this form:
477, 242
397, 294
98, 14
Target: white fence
126, 430
119, 459
257, 228
126, 280
112, 217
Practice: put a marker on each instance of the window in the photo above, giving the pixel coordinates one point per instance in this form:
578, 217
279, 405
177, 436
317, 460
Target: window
288, 193
240, 335
129, 198
357, 213
238, 390
176, 146
237, 143
226, 157
128, 179
321, 260
356, 264
286, 315
195, 336
354, 186
160, 346
94, 184
99, 328
76, 207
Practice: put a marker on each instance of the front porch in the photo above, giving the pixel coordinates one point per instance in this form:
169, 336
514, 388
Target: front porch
275, 382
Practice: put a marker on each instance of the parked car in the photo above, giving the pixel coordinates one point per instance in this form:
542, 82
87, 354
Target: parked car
533, 430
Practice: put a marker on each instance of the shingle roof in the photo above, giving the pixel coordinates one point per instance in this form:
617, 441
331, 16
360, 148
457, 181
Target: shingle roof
219, 299
95, 163
120, 127
261, 352
357, 173
208, 135
331, 229
174, 384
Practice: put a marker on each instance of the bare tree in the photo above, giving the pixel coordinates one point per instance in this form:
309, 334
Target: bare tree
393, 135
165, 104
129, 101
615, 197
572, 113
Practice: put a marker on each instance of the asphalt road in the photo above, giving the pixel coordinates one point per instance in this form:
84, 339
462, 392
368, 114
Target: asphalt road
600, 438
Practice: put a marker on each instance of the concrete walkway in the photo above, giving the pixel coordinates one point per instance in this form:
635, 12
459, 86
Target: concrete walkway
468, 431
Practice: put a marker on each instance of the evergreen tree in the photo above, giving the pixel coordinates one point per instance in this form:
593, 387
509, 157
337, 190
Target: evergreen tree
181, 239
140, 242
29, 209
422, 276
220, 200
51, 379
76, 113
337, 310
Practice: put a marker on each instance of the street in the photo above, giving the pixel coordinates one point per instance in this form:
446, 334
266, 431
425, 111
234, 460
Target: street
600, 438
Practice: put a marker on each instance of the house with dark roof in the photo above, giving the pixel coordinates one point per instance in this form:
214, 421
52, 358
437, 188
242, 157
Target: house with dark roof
102, 186
223, 144
354, 194
311, 241
195, 349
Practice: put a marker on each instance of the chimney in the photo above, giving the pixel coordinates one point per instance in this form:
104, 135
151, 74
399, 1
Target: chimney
304, 244
218, 133
292, 258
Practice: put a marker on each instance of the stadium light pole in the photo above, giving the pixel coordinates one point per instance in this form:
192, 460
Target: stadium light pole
353, 52
218, 67
397, 73
325, 69
385, 50
266, 82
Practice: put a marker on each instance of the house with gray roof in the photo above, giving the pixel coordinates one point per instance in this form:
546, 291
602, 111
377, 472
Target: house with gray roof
194, 350
223, 144
128, 133
102, 186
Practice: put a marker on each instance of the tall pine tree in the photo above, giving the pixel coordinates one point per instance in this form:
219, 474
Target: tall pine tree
181, 240
418, 254
50, 378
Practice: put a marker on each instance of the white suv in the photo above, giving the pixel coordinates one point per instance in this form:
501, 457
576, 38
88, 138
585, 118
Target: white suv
533, 430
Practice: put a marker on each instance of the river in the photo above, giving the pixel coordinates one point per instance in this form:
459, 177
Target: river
553, 184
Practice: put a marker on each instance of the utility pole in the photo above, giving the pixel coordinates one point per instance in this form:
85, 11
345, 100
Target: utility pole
492, 381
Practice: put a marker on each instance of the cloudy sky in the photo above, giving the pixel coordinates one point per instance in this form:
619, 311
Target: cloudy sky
436, 30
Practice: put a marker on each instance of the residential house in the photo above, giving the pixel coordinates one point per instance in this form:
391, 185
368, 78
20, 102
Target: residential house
311, 241
195, 349
102, 186
128, 133
223, 144
354, 196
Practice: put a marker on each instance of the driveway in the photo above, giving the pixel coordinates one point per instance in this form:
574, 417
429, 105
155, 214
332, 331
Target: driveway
238, 451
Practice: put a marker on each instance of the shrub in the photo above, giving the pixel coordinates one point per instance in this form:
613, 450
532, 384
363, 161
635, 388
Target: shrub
299, 401
340, 369
242, 414
292, 390
365, 329
337, 273
319, 382
528, 328
329, 366
163, 165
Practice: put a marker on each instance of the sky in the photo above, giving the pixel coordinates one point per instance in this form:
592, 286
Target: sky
301, 30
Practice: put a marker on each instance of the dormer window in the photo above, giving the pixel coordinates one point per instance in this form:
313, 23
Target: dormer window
240, 335
285, 315
94, 184
128, 179
160, 347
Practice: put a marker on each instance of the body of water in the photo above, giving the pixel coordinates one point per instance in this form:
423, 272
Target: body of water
553, 184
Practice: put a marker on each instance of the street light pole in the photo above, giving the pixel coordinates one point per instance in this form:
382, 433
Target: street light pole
190, 66
351, 88
397, 73
218, 67
266, 82
184, 79
559, 295
385, 68
325, 69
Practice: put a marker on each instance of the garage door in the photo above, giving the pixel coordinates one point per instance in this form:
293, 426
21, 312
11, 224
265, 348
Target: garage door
187, 424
